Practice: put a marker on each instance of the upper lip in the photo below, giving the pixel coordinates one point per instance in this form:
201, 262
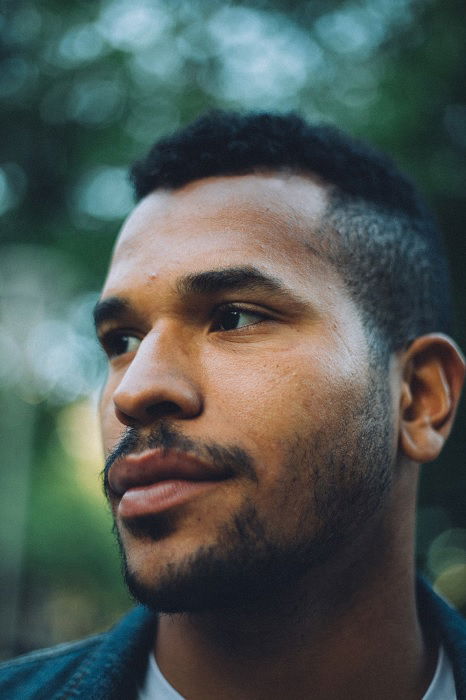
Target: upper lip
152, 466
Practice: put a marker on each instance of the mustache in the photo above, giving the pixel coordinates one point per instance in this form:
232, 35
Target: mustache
227, 460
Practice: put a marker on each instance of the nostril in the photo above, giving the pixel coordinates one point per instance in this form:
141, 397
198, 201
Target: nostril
144, 414
125, 418
162, 409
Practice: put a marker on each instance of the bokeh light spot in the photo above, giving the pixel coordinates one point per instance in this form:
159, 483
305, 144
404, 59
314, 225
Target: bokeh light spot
133, 25
105, 193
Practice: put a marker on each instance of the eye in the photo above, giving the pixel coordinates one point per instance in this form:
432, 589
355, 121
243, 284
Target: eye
233, 318
117, 343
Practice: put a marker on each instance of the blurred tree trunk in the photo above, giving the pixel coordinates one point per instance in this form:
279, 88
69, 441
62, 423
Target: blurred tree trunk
18, 419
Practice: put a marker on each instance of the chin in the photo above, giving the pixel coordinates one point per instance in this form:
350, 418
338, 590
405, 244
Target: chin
242, 568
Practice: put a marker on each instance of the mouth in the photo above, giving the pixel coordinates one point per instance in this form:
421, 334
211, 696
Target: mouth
157, 480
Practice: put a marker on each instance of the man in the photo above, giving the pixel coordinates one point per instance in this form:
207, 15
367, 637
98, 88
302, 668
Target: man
275, 319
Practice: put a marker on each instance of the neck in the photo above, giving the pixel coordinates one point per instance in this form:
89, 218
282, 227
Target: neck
350, 631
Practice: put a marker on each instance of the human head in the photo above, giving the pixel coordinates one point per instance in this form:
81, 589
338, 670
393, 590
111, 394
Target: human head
296, 415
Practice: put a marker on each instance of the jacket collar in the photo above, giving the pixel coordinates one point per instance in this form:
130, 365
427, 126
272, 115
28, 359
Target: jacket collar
450, 627
117, 665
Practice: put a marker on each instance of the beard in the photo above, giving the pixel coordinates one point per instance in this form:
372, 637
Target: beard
345, 472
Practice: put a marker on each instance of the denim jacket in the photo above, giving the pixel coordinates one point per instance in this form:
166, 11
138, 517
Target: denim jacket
111, 666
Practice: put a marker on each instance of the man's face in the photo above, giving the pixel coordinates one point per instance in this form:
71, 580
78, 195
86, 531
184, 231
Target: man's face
240, 364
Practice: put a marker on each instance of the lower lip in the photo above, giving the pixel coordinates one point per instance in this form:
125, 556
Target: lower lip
156, 498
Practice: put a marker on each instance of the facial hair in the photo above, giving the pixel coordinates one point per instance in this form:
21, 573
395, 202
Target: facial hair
346, 470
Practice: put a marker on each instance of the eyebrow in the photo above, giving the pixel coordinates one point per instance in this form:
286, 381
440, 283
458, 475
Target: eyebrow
207, 283
110, 309
244, 278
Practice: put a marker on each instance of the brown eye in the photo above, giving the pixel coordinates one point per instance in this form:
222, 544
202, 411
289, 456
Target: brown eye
232, 318
117, 343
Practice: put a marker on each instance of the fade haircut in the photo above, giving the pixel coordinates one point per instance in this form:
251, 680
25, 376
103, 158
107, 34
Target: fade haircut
381, 237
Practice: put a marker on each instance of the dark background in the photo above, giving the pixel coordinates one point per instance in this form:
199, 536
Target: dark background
85, 88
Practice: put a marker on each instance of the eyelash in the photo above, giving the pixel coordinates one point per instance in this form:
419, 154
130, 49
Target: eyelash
111, 339
238, 308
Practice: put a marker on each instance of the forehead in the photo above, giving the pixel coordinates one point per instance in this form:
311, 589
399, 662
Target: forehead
270, 221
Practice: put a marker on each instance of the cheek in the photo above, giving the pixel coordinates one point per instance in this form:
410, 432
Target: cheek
286, 394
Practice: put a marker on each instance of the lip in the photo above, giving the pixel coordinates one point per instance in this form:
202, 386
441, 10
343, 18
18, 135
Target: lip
155, 480
163, 495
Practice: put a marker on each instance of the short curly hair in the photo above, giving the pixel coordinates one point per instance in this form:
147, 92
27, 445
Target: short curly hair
389, 251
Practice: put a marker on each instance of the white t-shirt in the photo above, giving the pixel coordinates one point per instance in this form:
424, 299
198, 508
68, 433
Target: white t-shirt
156, 687
443, 682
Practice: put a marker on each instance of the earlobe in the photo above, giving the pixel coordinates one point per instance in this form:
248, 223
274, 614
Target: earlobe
433, 374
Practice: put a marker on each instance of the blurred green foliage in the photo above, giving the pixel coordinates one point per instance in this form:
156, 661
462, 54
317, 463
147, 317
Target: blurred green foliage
85, 88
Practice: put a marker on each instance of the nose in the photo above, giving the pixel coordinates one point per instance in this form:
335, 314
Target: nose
158, 383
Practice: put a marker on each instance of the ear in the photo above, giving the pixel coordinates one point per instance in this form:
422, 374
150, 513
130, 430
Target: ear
433, 374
